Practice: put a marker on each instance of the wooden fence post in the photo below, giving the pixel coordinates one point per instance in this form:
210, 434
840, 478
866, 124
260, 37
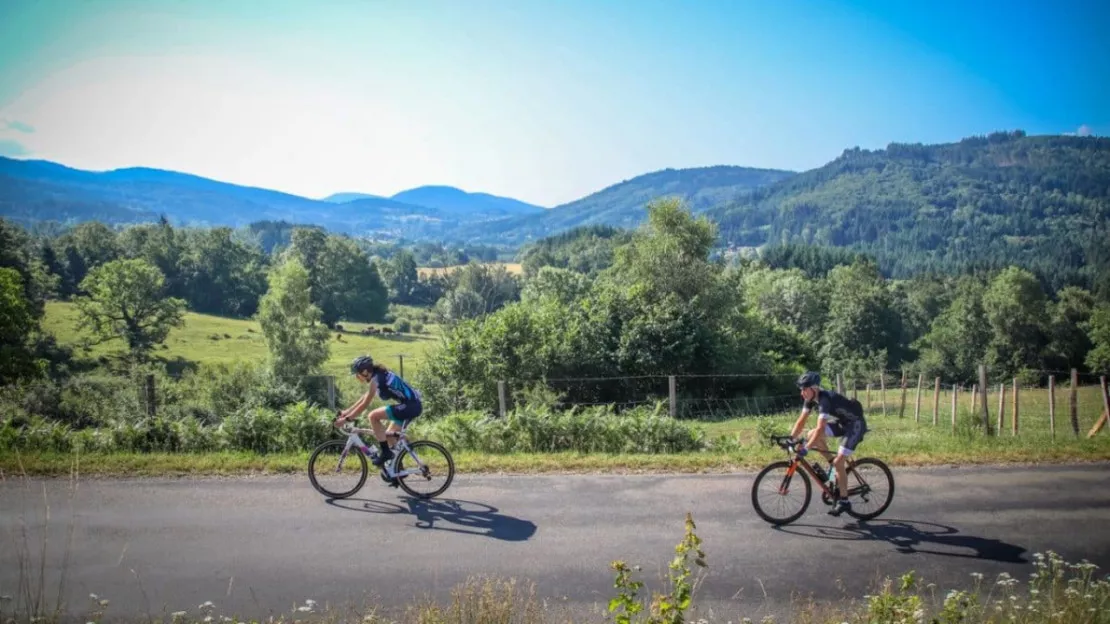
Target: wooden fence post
917, 409
674, 395
974, 399
1052, 405
1074, 402
1014, 416
983, 388
401, 368
1001, 403
331, 391
882, 386
902, 408
839, 384
869, 397
954, 392
501, 397
1101, 422
936, 400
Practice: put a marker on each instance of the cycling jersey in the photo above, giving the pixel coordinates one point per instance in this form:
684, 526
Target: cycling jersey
836, 408
392, 387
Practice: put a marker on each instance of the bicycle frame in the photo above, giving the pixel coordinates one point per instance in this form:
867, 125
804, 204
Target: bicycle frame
354, 440
796, 461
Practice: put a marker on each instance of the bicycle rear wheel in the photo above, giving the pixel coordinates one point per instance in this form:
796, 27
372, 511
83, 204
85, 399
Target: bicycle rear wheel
870, 488
772, 490
337, 472
432, 461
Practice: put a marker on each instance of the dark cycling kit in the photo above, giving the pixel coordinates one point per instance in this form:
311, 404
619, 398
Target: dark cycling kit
842, 416
391, 387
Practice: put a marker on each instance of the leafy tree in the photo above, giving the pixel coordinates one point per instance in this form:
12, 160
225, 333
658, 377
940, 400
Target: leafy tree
16, 252
126, 300
1068, 320
863, 329
296, 338
562, 285
957, 339
346, 285
402, 277
18, 324
1098, 358
222, 275
1016, 312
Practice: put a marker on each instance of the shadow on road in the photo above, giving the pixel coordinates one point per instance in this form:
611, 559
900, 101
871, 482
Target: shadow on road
913, 537
457, 516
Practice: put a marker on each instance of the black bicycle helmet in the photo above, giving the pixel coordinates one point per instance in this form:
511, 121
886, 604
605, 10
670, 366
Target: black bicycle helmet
361, 363
809, 378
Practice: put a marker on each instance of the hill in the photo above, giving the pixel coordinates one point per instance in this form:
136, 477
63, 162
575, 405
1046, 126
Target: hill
622, 204
342, 198
35, 190
457, 201
1041, 202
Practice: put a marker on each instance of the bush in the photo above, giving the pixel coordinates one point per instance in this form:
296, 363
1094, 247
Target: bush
418, 328
541, 429
402, 325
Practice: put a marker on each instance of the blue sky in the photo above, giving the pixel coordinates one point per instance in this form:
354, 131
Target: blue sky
542, 101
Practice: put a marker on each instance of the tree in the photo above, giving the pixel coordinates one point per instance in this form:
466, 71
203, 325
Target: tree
401, 276
1015, 308
17, 324
863, 329
126, 300
1098, 359
291, 324
346, 285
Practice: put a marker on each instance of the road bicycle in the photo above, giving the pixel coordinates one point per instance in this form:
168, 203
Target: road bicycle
392, 472
868, 478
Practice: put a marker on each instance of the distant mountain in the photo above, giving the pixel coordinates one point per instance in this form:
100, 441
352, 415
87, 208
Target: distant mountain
1040, 202
342, 198
623, 204
32, 190
457, 201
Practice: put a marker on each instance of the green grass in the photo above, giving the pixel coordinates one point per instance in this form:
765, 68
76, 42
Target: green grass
206, 339
899, 442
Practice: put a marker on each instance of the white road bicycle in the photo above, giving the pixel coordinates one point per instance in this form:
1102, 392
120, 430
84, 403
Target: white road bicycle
336, 464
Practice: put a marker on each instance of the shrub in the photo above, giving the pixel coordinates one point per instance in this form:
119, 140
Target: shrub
402, 325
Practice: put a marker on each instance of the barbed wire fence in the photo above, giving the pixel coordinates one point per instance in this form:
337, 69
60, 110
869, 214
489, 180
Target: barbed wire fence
1049, 403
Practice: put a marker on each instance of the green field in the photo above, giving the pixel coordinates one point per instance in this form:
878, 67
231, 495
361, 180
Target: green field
206, 339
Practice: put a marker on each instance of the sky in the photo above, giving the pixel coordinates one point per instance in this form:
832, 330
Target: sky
545, 102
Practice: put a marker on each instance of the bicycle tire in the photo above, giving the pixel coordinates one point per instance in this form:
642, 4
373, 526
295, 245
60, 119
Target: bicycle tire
799, 472
450, 468
353, 453
889, 478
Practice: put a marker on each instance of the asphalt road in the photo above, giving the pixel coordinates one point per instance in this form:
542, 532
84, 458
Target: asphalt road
258, 546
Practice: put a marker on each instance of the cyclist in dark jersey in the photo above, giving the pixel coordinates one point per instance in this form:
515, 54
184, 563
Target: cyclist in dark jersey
837, 416
387, 386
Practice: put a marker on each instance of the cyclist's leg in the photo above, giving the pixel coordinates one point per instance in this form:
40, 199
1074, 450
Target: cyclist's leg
853, 435
376, 417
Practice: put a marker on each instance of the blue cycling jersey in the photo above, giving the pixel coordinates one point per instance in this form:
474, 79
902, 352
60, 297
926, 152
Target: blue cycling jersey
392, 387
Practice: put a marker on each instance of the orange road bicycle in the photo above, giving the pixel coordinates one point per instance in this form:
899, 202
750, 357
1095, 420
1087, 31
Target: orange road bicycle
781, 492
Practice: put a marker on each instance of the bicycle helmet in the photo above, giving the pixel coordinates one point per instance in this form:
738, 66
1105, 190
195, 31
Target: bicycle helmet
361, 363
808, 379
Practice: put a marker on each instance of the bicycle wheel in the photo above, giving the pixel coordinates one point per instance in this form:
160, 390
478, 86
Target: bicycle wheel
336, 471
868, 479
432, 460
775, 478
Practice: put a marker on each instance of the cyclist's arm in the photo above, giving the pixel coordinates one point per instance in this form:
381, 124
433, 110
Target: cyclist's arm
364, 401
800, 425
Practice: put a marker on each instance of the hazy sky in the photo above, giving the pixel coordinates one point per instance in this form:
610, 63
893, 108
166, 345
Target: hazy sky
542, 101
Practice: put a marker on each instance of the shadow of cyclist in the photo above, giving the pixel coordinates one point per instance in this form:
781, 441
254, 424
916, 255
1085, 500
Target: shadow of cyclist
457, 516
913, 537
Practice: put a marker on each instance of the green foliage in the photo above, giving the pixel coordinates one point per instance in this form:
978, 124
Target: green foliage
535, 428
1039, 203
126, 301
584, 249
17, 326
666, 608
297, 340
1098, 359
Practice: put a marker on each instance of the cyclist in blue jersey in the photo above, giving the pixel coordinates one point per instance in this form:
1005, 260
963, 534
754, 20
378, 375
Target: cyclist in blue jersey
389, 386
837, 416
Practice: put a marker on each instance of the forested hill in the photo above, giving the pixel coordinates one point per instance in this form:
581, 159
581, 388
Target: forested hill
1040, 202
622, 204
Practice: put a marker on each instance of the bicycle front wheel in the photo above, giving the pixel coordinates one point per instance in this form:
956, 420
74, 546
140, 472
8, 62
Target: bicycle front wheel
334, 474
776, 495
429, 464
870, 488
